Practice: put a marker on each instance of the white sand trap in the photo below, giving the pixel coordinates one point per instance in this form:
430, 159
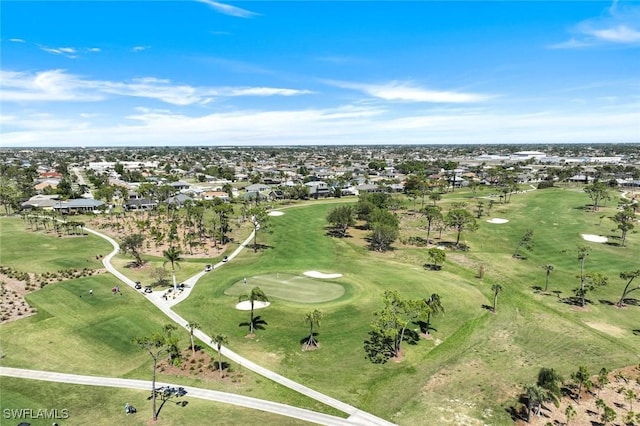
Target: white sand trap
316, 274
594, 238
275, 213
246, 305
497, 220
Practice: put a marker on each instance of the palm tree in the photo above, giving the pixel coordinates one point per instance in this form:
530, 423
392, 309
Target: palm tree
435, 307
219, 340
548, 268
172, 255
497, 288
255, 295
312, 318
570, 412
193, 325
535, 397
581, 377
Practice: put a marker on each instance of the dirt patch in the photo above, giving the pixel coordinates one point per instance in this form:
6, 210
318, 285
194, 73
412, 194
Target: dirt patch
13, 305
203, 366
15, 285
613, 394
193, 244
607, 328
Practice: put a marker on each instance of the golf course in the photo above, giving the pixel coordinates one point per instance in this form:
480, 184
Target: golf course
470, 369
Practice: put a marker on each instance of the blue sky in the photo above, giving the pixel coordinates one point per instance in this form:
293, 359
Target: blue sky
145, 73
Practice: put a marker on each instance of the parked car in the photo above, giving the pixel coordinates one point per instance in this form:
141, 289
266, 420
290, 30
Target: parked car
138, 285
225, 259
148, 289
208, 268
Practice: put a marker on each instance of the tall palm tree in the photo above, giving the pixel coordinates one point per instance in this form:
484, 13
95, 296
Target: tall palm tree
219, 340
497, 288
312, 318
548, 268
172, 255
255, 295
536, 396
435, 307
193, 325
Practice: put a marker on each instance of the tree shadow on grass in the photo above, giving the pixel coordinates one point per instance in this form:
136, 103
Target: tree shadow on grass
453, 246
258, 323
261, 246
305, 339
536, 288
631, 301
411, 337
636, 331
432, 267
517, 413
425, 328
606, 302
575, 301
487, 307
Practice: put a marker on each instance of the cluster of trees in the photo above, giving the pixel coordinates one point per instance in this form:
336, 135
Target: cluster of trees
391, 325
549, 389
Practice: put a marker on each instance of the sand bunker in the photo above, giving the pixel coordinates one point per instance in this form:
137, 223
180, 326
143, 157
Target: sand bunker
497, 220
594, 238
246, 305
316, 274
275, 213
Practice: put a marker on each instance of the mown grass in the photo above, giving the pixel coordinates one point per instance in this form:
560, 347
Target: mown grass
105, 406
482, 360
39, 251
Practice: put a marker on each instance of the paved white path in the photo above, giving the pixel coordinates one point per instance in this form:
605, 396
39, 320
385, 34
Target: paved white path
210, 395
357, 416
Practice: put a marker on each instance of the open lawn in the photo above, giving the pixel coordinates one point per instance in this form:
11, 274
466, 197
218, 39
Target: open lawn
470, 372
482, 359
39, 251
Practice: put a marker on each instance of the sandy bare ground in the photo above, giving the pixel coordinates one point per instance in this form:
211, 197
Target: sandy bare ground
594, 238
246, 305
13, 306
613, 394
316, 274
497, 220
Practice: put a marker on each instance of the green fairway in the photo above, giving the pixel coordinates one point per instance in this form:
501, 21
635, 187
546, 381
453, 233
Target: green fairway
470, 371
38, 251
294, 288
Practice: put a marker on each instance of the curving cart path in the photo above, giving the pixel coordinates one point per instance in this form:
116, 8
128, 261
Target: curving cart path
210, 395
356, 416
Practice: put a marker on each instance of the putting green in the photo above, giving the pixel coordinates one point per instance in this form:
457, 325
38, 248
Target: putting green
293, 288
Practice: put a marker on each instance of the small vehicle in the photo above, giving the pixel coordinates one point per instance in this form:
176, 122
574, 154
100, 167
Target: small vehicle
208, 268
138, 285
148, 289
225, 259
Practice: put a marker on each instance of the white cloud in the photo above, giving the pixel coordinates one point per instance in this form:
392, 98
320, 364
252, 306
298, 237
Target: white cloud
228, 9
399, 91
139, 48
619, 34
52, 85
263, 91
58, 85
619, 25
69, 52
17, 40
345, 125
